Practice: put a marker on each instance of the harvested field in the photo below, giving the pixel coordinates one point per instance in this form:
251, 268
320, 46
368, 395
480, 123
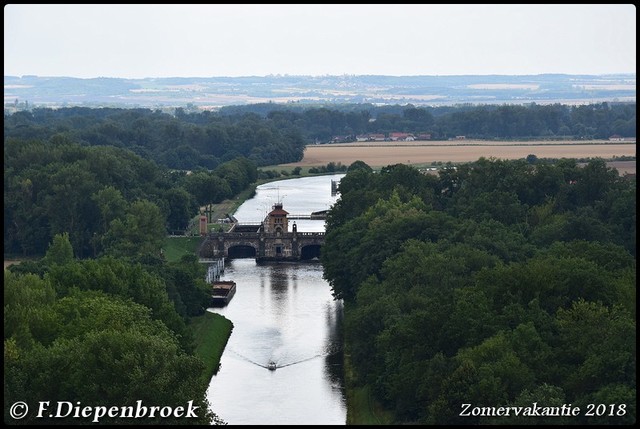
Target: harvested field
623, 167
422, 152
472, 142
9, 262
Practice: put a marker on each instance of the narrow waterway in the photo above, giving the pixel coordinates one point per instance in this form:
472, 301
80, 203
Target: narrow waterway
282, 313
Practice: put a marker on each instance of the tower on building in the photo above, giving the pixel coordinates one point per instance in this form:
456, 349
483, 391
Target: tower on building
276, 221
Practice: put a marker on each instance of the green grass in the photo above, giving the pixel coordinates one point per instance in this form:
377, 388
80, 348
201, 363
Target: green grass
362, 409
304, 171
211, 332
176, 247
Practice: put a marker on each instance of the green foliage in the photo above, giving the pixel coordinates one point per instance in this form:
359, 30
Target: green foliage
191, 294
206, 187
96, 348
103, 197
111, 205
331, 167
27, 299
500, 283
125, 310
60, 251
141, 231
211, 331
595, 363
180, 207
183, 141
119, 278
175, 248
321, 124
497, 282
359, 165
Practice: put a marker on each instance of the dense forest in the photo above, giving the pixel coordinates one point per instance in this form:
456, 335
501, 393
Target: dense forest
109, 331
180, 141
598, 121
496, 283
270, 134
109, 200
108, 164
97, 316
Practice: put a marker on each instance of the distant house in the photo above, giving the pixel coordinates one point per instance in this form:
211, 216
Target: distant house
618, 138
341, 139
376, 137
403, 137
423, 136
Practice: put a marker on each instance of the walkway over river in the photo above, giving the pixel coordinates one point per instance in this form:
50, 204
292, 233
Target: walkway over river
285, 246
269, 240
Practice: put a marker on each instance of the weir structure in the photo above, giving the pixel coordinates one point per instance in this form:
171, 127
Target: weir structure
269, 240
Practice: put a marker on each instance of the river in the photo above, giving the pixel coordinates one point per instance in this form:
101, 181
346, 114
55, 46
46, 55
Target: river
285, 313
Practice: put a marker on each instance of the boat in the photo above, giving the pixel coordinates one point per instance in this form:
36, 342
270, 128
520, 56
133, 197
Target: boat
222, 292
271, 366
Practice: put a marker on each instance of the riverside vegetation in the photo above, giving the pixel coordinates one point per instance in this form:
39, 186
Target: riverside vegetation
496, 283
494, 259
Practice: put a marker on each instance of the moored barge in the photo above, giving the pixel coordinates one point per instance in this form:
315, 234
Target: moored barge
222, 292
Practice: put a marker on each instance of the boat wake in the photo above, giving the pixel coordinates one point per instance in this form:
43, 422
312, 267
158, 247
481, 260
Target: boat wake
299, 361
243, 357
272, 365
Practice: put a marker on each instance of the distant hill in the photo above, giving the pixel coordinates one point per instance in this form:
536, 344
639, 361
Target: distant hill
213, 92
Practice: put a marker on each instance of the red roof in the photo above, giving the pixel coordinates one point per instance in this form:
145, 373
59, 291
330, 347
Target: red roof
278, 212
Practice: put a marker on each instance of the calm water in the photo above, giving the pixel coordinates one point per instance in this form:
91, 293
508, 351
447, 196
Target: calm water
282, 312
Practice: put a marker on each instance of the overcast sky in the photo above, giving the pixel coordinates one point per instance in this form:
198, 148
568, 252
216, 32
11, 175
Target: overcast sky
136, 41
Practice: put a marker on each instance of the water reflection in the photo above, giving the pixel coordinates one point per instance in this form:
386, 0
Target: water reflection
285, 313
282, 313
334, 351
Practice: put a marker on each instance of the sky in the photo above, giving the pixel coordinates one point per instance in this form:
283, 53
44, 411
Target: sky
192, 40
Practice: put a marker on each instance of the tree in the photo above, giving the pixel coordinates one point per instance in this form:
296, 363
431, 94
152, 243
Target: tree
60, 251
181, 207
111, 204
358, 165
96, 350
187, 277
68, 208
141, 231
598, 347
477, 289
122, 279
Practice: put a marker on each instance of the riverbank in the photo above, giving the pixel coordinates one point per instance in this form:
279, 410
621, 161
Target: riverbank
362, 409
230, 206
211, 333
277, 340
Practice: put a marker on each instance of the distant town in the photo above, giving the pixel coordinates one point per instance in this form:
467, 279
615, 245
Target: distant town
210, 93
